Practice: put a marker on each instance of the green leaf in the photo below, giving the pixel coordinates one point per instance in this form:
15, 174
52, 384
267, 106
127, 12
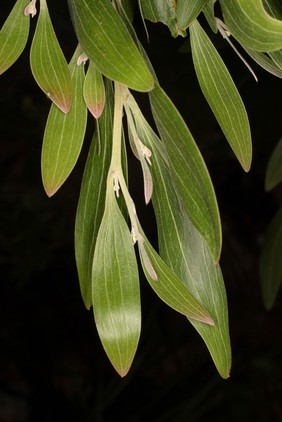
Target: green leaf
162, 11
64, 134
188, 10
185, 251
271, 262
169, 287
265, 62
208, 11
92, 198
115, 288
13, 35
274, 168
107, 42
274, 8
48, 64
251, 25
221, 94
94, 91
188, 170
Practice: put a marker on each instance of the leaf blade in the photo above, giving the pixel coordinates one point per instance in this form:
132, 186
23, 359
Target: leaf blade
188, 10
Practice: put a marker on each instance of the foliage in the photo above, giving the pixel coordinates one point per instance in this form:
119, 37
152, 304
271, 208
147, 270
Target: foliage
185, 273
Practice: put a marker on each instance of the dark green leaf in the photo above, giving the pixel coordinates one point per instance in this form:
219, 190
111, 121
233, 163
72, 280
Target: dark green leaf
188, 170
48, 64
64, 134
13, 35
274, 168
271, 262
115, 288
106, 40
221, 94
208, 11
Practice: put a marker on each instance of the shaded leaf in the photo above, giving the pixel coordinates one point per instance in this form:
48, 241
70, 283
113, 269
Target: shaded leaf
48, 64
107, 42
94, 91
271, 262
274, 168
221, 94
13, 35
115, 288
162, 11
251, 25
208, 11
188, 10
92, 198
64, 134
188, 170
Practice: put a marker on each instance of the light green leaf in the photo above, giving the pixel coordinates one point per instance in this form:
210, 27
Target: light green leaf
169, 287
64, 134
274, 168
48, 64
221, 94
274, 8
185, 251
162, 11
251, 25
208, 11
92, 198
188, 170
188, 10
271, 262
115, 288
94, 91
265, 62
13, 35
107, 42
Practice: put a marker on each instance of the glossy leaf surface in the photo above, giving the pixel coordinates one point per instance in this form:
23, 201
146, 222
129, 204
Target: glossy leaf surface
188, 170
48, 64
271, 262
274, 168
188, 10
106, 40
13, 35
94, 91
221, 94
92, 199
115, 288
64, 134
251, 25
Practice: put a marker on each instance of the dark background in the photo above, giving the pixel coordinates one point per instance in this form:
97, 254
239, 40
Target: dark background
52, 365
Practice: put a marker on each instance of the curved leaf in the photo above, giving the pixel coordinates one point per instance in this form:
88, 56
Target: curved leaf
188, 170
185, 252
188, 10
94, 91
251, 25
92, 199
265, 62
48, 64
271, 262
221, 94
115, 288
13, 35
106, 40
64, 134
274, 168
208, 11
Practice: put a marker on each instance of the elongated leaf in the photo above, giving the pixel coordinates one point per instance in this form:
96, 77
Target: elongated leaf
221, 94
188, 170
208, 11
106, 40
48, 65
186, 253
188, 10
168, 286
92, 198
271, 262
274, 168
94, 91
265, 62
115, 281
13, 35
64, 134
162, 11
274, 8
251, 25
